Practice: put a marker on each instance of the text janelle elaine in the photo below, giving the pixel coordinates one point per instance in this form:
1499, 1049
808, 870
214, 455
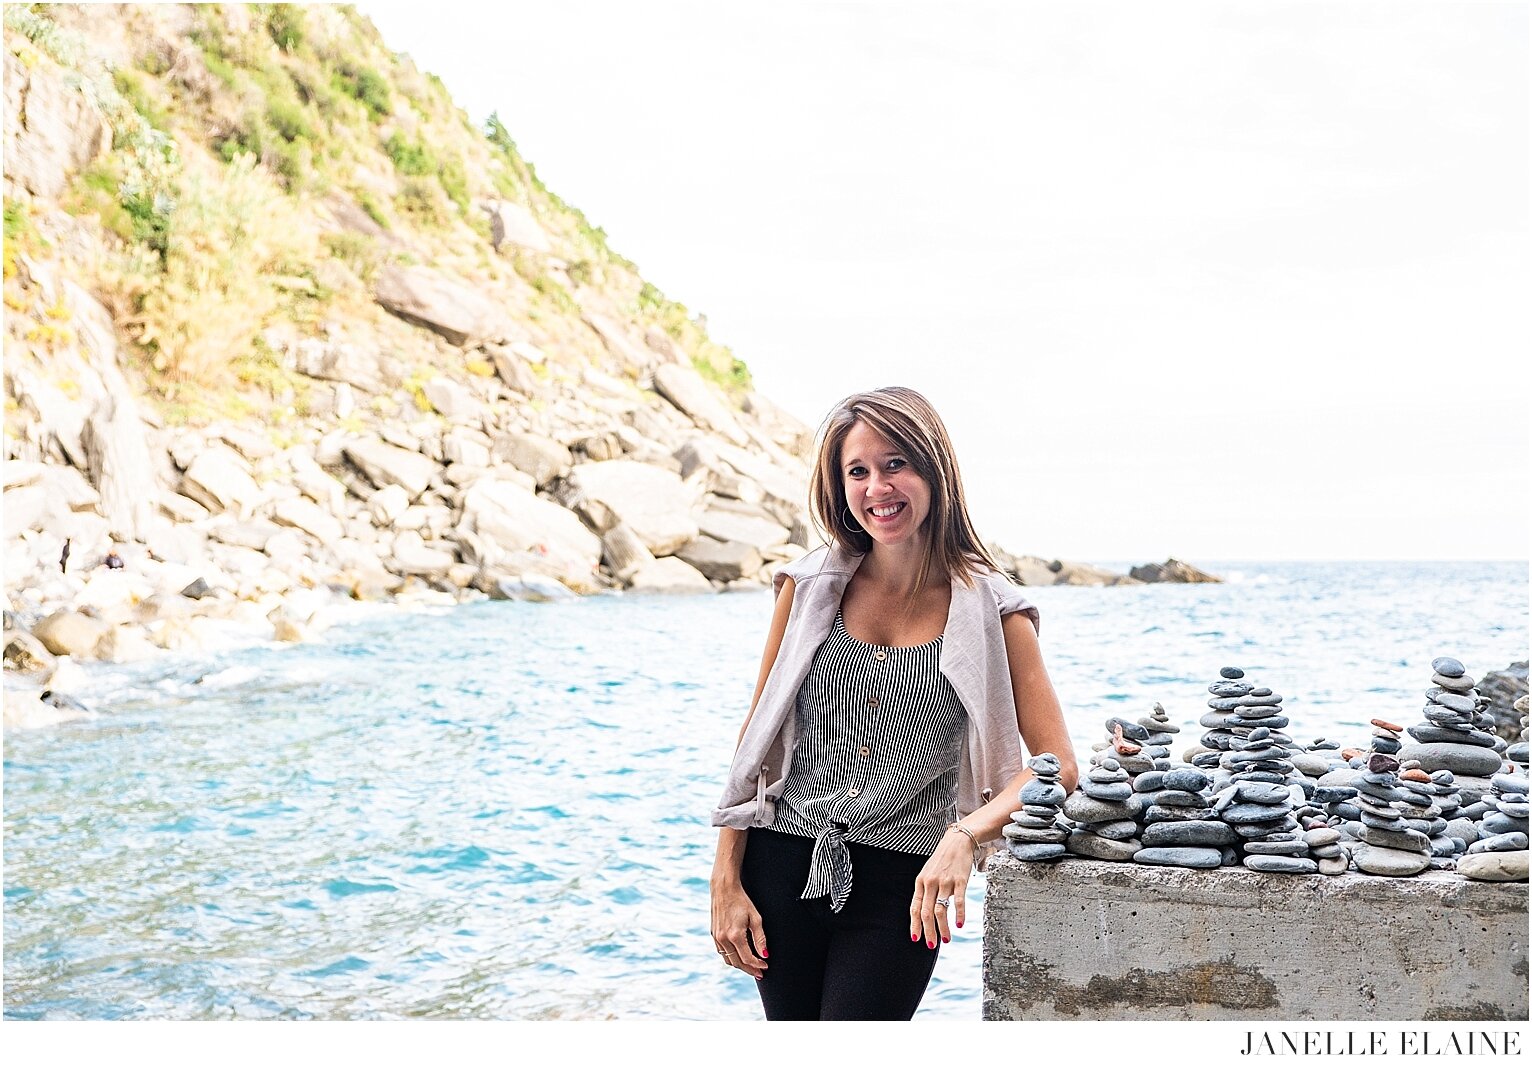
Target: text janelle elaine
1382, 1043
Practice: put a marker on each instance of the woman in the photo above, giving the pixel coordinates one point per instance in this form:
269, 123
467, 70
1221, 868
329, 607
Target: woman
899, 668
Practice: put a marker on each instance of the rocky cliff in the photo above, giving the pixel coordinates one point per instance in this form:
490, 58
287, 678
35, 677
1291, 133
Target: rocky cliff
280, 318
283, 325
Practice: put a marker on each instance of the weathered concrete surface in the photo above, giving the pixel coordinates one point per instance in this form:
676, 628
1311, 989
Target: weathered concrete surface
1084, 939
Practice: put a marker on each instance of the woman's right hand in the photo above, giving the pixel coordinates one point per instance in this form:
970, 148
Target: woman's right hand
736, 928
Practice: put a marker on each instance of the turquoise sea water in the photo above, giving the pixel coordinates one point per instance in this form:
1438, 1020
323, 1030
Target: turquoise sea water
501, 810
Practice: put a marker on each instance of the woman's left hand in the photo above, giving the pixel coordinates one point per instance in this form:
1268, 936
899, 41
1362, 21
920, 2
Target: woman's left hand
944, 877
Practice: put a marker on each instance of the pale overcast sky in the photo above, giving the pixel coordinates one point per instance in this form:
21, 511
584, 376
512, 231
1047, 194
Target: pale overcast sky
1214, 280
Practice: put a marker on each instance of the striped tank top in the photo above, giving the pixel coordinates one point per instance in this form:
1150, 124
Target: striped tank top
880, 734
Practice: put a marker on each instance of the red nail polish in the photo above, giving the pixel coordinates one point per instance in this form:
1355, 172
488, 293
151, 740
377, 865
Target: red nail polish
765, 955
930, 944
946, 940
960, 926
914, 937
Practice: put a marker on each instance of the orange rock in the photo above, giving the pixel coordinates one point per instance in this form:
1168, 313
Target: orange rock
1415, 775
1388, 725
1353, 753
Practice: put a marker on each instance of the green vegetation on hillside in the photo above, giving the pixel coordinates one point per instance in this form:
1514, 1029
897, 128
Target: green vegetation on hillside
234, 139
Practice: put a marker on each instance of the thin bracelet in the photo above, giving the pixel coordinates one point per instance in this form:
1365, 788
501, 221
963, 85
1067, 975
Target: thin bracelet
971, 837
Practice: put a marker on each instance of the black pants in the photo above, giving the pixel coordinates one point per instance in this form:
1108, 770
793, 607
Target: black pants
858, 964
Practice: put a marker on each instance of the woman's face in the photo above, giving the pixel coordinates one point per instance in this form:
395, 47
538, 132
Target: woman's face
883, 493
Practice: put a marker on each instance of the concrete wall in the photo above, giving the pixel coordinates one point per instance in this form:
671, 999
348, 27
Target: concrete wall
1085, 939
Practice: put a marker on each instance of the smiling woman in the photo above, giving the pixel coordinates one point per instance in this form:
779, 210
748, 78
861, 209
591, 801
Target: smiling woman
871, 768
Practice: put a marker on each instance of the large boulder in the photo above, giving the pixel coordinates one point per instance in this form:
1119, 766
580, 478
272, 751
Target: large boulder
453, 400
1502, 688
721, 561
543, 458
385, 464
500, 517
458, 313
412, 555
700, 402
669, 575
623, 553
756, 530
219, 479
304, 514
1172, 570
512, 225
634, 358
339, 361
52, 128
654, 502
70, 633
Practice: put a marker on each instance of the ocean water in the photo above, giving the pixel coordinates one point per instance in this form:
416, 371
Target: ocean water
501, 810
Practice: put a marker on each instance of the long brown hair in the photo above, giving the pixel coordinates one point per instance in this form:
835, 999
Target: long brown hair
909, 423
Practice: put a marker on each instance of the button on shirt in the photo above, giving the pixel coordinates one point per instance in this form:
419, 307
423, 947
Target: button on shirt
880, 733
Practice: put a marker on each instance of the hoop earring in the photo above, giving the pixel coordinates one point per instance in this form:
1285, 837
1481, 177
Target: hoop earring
851, 523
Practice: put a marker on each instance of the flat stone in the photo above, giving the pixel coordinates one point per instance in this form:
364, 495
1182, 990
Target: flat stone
1459, 759
1322, 836
1035, 853
1263, 793
1256, 775
1510, 783
1230, 688
1389, 862
1082, 808
1102, 848
1230, 672
1038, 791
1106, 790
1131, 730
1334, 865
1265, 847
1200, 858
1189, 779
1031, 836
1327, 851
1033, 822
1241, 814
1282, 864
1251, 831
1455, 685
1196, 834
1106, 775
1270, 700
1179, 798
1154, 813
1446, 665
1430, 734
1045, 765
1512, 842
1498, 822
1456, 701
1120, 830
1494, 866
1149, 781
1408, 840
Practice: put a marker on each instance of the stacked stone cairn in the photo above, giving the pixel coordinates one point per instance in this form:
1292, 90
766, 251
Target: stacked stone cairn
1421, 808
1180, 827
1103, 812
1035, 833
1258, 804
1389, 846
1451, 737
1500, 854
1449, 803
1161, 735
